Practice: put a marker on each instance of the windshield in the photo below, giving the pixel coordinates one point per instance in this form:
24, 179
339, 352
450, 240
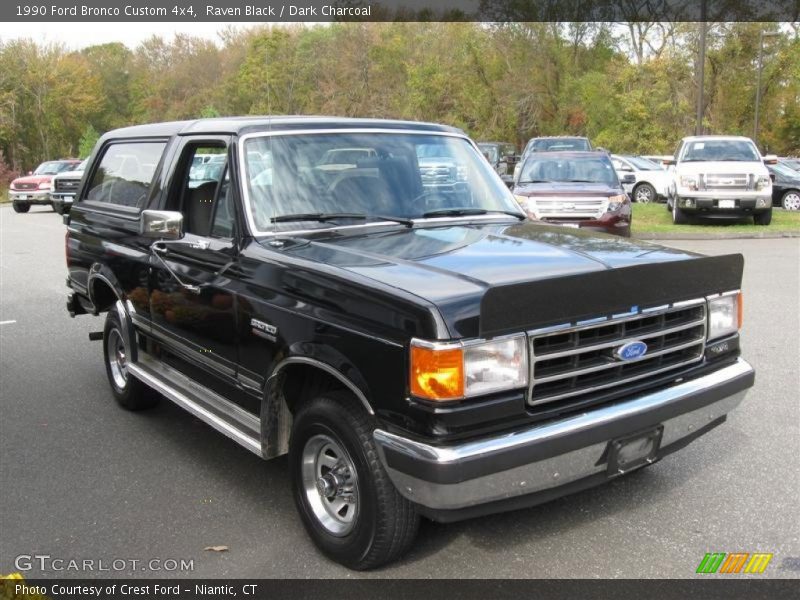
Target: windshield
591, 168
792, 163
559, 144
721, 150
642, 164
784, 170
53, 167
290, 183
491, 151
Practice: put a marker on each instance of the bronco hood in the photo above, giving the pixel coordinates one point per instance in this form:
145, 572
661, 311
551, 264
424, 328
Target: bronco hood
454, 266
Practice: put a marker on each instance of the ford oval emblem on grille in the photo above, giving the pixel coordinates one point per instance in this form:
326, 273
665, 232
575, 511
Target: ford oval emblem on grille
631, 351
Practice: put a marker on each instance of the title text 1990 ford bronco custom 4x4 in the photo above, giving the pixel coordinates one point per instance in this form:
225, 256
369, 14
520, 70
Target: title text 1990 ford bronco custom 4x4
416, 349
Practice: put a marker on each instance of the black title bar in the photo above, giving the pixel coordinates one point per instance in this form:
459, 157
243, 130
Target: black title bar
276, 11
411, 589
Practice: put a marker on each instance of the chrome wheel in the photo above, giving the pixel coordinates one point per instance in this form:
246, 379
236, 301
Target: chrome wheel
791, 201
644, 194
330, 483
117, 358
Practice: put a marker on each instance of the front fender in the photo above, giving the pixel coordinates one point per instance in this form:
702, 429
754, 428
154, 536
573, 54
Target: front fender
275, 415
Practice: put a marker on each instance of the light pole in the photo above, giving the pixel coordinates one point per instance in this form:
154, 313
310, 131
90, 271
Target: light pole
701, 69
762, 34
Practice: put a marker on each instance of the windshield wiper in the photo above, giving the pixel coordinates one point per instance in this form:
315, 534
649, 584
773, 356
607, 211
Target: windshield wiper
401, 220
464, 212
321, 217
535, 181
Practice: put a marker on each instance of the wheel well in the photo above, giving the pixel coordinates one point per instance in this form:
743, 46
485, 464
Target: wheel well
300, 383
103, 297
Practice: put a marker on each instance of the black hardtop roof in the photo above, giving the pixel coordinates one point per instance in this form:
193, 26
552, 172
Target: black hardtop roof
242, 125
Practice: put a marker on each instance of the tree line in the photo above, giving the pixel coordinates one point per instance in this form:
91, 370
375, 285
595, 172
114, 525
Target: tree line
630, 87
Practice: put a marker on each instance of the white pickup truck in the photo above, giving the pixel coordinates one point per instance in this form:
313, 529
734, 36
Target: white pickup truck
719, 177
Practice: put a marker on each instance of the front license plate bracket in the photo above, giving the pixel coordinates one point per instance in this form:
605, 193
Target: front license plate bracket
634, 451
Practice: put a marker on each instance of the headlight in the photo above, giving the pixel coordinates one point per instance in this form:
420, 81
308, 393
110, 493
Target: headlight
763, 182
455, 371
688, 181
528, 205
616, 202
724, 315
45, 185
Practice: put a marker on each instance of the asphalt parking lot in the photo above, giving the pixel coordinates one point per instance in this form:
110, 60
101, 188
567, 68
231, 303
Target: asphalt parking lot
83, 479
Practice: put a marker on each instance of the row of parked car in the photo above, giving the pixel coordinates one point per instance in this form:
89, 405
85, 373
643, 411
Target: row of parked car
565, 179
559, 179
53, 183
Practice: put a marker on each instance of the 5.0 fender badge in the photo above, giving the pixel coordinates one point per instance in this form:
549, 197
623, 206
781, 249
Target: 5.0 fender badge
264, 330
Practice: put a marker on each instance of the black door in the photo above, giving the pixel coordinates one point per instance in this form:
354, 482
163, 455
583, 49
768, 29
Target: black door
193, 299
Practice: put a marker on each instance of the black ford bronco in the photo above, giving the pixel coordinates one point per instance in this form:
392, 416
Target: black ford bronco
416, 349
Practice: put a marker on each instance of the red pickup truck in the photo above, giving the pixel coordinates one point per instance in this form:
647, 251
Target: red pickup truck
34, 188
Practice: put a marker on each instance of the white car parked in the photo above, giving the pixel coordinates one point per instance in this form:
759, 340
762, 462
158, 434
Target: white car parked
652, 181
722, 177
64, 187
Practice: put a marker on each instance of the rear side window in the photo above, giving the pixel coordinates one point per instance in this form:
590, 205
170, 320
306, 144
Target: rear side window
125, 173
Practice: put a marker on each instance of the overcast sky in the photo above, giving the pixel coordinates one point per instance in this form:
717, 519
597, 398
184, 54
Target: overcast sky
80, 35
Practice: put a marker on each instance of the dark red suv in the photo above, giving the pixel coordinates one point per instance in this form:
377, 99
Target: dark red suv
574, 189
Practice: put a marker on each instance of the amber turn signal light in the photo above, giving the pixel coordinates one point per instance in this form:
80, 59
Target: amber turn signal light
740, 309
437, 373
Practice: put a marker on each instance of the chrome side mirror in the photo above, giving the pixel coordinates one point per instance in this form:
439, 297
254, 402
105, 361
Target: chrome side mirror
161, 224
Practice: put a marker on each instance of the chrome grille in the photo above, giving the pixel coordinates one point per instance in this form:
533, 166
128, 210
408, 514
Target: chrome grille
67, 185
727, 181
579, 359
569, 207
440, 174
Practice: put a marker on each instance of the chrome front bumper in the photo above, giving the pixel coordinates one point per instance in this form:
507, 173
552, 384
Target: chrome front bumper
30, 196
555, 458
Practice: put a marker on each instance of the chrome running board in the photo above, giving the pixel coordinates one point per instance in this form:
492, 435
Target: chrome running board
223, 415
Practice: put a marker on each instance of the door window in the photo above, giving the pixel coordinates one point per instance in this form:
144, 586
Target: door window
125, 173
205, 199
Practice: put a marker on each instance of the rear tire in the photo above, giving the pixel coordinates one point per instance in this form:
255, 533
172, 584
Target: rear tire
764, 218
678, 216
21, 207
348, 505
128, 391
644, 193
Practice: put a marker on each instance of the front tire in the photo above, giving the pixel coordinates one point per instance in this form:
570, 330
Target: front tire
764, 218
791, 200
347, 503
678, 216
58, 208
21, 207
128, 391
644, 193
